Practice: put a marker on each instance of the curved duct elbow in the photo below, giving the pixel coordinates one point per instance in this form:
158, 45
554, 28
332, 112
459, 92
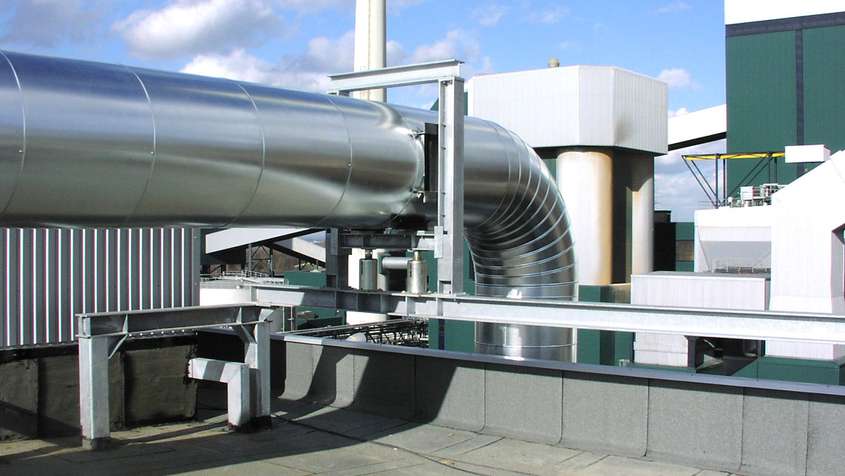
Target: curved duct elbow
91, 144
524, 249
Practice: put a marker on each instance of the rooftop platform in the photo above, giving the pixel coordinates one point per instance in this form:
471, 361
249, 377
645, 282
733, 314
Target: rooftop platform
308, 439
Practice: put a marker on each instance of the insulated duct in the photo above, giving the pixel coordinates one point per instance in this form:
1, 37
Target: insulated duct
91, 144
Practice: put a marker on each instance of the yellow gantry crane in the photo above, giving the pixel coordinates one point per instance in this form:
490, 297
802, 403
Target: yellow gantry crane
718, 193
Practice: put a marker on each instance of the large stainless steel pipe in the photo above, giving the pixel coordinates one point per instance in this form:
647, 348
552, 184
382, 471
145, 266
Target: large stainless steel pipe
91, 144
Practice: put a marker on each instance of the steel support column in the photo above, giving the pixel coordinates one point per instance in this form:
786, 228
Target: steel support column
257, 357
94, 391
449, 233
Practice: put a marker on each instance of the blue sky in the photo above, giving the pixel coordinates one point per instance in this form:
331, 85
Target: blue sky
295, 43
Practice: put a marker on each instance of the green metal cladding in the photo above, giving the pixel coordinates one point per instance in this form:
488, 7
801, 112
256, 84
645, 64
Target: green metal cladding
761, 94
824, 86
779, 96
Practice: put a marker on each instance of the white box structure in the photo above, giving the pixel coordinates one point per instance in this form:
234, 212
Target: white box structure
731, 238
679, 289
808, 252
806, 154
600, 106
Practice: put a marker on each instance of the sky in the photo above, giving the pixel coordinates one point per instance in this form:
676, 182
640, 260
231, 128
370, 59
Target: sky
296, 43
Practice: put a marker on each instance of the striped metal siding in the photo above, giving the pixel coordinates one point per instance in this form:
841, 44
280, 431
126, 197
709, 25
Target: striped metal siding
50, 275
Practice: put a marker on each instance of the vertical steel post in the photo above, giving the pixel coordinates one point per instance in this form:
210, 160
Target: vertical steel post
94, 391
196, 263
258, 358
449, 232
337, 261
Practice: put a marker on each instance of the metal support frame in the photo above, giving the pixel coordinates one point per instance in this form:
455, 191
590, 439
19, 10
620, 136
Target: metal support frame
717, 196
394, 76
449, 230
369, 241
733, 324
102, 334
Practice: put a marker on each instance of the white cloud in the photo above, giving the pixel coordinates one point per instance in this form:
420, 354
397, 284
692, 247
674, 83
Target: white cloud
548, 16
48, 23
489, 15
674, 186
676, 77
238, 65
674, 7
456, 44
241, 66
189, 27
678, 112
307, 71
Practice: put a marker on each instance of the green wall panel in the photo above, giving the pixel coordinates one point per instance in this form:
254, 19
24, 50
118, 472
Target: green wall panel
824, 86
314, 280
685, 231
795, 370
761, 100
684, 266
602, 347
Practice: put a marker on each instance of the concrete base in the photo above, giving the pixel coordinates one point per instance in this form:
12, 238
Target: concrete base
254, 425
98, 444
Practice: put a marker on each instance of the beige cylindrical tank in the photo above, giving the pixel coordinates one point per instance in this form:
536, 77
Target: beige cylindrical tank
585, 180
642, 214
370, 42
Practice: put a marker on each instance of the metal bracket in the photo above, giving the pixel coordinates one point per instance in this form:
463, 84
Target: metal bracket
406, 75
449, 230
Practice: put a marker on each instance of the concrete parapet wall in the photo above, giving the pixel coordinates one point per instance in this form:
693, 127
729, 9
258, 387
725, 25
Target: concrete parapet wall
39, 390
728, 428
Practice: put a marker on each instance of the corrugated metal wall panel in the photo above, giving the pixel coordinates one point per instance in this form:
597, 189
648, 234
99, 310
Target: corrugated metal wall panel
49, 275
575, 105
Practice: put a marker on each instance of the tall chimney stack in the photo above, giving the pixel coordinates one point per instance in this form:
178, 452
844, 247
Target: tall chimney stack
370, 42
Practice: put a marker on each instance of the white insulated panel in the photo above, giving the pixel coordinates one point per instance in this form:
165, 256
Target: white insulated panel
575, 106
731, 236
677, 289
806, 154
707, 290
808, 252
47, 276
697, 124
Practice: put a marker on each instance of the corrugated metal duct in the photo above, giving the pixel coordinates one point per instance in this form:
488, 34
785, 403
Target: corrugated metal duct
48, 275
104, 145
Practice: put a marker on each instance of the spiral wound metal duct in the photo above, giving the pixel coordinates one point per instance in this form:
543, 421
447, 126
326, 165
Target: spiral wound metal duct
90, 144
